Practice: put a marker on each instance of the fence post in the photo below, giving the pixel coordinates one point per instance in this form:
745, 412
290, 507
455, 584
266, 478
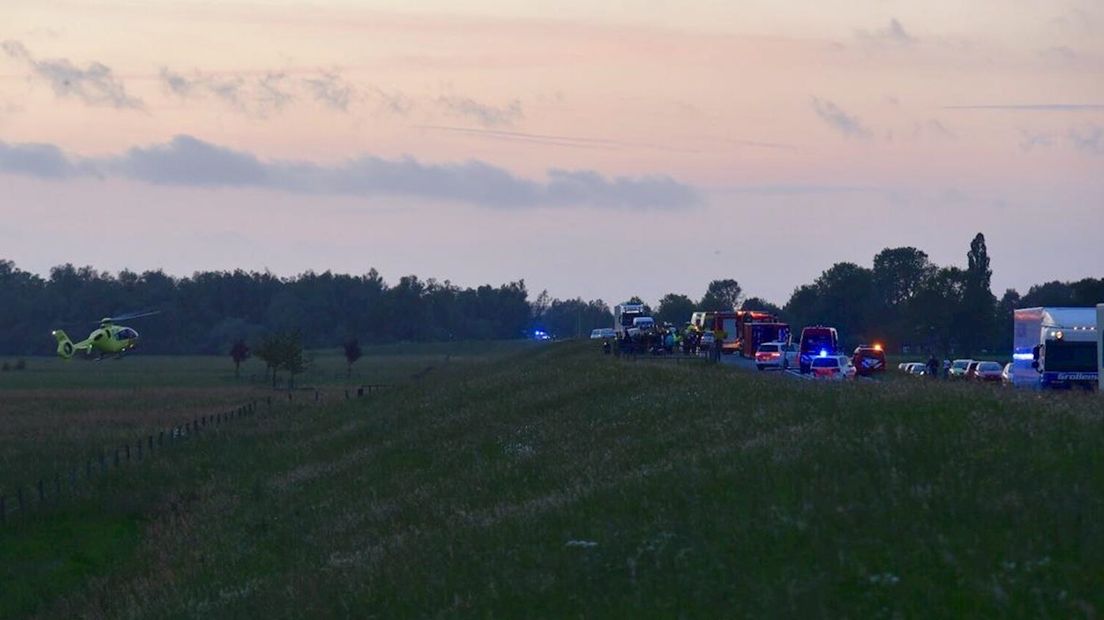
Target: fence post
160, 438
151, 443
127, 446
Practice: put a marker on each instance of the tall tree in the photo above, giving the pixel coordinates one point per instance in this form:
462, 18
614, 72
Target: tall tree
978, 320
899, 273
675, 309
721, 295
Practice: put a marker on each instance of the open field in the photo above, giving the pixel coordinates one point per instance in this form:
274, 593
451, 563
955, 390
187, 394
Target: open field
555, 481
56, 414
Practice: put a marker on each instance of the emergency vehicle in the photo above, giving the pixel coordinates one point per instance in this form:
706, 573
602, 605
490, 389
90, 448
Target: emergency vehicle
817, 341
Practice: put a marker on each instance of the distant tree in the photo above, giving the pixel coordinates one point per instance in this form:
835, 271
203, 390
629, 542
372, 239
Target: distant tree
762, 305
1088, 292
541, 304
1005, 310
675, 309
937, 312
270, 351
635, 299
978, 317
292, 357
898, 275
721, 295
352, 354
239, 353
802, 307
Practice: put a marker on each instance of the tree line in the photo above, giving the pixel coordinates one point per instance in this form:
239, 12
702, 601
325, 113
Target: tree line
211, 311
904, 300
901, 299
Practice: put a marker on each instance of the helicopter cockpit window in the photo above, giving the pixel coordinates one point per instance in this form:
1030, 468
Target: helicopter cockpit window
98, 336
126, 334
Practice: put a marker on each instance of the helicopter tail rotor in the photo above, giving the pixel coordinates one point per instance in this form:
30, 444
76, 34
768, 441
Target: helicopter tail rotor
65, 346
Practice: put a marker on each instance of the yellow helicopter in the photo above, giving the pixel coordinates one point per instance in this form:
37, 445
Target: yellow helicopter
108, 339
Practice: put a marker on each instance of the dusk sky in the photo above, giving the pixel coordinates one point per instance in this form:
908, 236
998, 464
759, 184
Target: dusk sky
633, 147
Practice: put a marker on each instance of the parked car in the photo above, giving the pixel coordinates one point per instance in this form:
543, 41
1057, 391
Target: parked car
1006, 374
770, 355
958, 369
869, 360
916, 368
988, 371
602, 333
778, 354
971, 370
838, 367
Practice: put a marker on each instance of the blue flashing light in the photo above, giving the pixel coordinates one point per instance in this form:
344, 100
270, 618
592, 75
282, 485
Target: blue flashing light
1023, 356
824, 352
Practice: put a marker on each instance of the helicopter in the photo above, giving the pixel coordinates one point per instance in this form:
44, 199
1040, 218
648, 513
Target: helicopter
108, 339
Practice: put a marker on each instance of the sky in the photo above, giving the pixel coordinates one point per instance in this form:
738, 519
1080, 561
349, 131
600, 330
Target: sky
638, 147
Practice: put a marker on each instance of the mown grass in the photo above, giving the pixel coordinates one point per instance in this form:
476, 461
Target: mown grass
560, 482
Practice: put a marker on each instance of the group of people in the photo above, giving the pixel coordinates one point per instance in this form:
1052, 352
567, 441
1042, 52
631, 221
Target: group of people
666, 339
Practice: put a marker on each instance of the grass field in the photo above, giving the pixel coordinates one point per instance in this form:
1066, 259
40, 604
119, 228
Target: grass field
554, 481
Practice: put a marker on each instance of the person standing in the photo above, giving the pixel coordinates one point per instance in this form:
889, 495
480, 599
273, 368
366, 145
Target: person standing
719, 336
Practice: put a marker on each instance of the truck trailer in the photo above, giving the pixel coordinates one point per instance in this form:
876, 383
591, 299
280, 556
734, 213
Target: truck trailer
1100, 347
1055, 347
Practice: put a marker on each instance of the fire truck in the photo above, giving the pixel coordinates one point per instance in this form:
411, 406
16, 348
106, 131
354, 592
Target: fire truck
745, 330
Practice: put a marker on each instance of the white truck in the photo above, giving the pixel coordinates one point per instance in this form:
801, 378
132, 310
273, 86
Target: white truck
1055, 348
625, 315
1100, 347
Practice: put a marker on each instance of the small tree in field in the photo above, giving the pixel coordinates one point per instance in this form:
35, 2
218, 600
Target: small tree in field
239, 353
352, 354
292, 357
270, 352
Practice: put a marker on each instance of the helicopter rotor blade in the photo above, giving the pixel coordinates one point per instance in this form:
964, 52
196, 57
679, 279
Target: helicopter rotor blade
132, 315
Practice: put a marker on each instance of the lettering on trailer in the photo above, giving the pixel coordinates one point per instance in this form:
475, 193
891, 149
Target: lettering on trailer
1072, 376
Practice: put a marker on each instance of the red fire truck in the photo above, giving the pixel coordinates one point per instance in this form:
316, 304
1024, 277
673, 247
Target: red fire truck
745, 330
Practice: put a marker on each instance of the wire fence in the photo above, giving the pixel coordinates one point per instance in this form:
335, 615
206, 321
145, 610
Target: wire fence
26, 499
